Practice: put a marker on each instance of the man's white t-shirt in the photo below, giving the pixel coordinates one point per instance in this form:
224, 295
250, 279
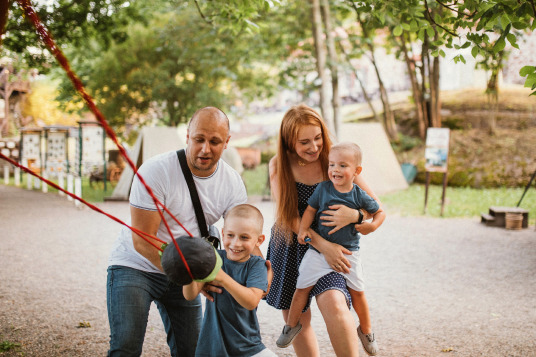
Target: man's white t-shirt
218, 193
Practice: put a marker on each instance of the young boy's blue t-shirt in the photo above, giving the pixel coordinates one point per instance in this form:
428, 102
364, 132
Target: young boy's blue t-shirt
228, 328
326, 195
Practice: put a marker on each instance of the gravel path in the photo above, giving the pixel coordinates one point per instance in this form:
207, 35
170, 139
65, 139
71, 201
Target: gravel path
434, 285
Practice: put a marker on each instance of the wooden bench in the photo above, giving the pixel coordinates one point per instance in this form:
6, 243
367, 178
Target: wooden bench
497, 216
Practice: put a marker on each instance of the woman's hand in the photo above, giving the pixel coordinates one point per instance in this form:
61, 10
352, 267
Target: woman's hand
335, 256
339, 216
334, 253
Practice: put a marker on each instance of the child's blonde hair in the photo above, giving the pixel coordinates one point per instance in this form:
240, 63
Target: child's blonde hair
247, 211
353, 147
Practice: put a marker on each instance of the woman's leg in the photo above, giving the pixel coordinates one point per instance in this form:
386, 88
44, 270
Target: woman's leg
305, 344
339, 322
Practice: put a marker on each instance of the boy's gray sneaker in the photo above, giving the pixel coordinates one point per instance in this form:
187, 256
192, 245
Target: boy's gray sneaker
368, 341
288, 335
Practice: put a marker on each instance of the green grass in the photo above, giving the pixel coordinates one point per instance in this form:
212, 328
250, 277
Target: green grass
459, 202
90, 194
256, 180
6, 346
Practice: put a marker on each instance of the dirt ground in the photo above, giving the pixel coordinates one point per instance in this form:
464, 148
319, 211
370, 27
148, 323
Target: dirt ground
436, 287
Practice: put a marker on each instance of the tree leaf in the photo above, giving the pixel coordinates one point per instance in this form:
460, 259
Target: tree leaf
442, 53
519, 25
525, 70
474, 51
397, 31
530, 81
499, 45
512, 39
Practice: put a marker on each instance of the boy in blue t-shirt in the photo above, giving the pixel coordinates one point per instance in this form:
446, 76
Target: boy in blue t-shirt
344, 166
230, 326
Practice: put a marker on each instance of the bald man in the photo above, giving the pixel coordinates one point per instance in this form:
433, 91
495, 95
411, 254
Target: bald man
135, 276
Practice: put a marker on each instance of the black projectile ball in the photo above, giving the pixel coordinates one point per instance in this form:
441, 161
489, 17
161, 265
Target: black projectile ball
199, 254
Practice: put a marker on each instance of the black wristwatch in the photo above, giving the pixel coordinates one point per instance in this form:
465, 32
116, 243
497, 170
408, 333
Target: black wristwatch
360, 219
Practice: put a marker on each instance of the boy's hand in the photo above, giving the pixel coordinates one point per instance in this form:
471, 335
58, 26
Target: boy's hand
365, 228
270, 273
301, 237
210, 288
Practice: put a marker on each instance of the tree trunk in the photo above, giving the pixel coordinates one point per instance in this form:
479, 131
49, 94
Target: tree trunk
435, 103
417, 93
320, 52
4, 10
492, 92
388, 116
425, 95
363, 89
333, 63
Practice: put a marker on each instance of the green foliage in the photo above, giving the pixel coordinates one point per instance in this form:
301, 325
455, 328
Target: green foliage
256, 180
168, 69
530, 73
70, 23
6, 346
266, 156
405, 143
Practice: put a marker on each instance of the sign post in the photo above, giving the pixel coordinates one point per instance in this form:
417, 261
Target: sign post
436, 159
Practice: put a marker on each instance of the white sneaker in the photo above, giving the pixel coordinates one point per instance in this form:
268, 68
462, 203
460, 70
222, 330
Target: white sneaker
288, 335
369, 342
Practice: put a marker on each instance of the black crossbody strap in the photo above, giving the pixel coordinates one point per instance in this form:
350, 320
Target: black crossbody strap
181, 154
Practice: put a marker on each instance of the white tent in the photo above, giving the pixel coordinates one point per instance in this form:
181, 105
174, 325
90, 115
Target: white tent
154, 141
151, 141
381, 169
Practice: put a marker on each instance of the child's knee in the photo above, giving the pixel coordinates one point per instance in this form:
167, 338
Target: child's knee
357, 294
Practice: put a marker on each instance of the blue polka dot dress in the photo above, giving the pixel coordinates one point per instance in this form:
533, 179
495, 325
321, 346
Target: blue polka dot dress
286, 260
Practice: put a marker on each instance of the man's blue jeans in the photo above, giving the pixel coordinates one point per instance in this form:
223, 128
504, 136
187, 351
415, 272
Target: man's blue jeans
129, 295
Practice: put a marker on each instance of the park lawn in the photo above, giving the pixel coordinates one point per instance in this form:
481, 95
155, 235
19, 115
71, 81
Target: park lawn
459, 201
89, 193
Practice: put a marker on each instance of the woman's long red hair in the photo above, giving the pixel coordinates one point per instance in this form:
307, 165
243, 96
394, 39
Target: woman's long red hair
287, 198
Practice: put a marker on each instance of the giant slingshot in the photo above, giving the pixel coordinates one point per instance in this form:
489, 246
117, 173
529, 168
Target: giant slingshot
197, 260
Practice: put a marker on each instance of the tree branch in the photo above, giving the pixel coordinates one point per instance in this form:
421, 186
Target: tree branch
533, 7
201, 13
456, 11
429, 16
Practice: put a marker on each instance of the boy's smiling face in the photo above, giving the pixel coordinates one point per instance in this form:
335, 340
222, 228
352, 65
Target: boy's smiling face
240, 237
342, 169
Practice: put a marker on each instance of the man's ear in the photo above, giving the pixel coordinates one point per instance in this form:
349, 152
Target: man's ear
227, 142
358, 170
260, 240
